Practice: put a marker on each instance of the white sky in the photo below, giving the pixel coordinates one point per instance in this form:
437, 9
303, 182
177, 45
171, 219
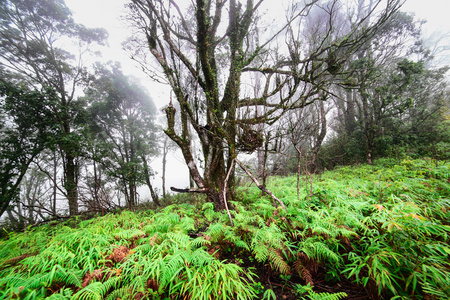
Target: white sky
107, 14
434, 11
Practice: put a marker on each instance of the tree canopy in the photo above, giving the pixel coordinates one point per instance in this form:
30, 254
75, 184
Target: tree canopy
27, 125
34, 36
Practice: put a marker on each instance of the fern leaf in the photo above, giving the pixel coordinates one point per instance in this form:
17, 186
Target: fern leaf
63, 294
326, 296
277, 260
200, 242
93, 291
122, 293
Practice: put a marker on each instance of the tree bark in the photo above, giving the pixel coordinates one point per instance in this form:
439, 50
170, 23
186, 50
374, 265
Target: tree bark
70, 183
319, 140
164, 163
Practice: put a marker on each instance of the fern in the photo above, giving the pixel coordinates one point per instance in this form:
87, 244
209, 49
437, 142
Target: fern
129, 234
63, 294
94, 291
315, 249
325, 296
389, 221
121, 293
221, 233
277, 260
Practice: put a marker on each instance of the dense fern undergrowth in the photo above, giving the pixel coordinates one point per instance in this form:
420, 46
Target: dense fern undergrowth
365, 232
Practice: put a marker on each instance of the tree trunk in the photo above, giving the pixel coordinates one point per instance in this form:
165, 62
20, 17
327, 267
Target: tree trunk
154, 195
319, 140
70, 184
215, 178
55, 188
349, 113
299, 165
266, 153
96, 187
132, 195
164, 162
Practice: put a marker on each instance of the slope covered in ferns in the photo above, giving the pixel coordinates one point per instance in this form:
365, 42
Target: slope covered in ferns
382, 230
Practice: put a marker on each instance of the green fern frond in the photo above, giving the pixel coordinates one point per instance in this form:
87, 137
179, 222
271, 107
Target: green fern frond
266, 238
56, 274
37, 294
174, 265
63, 294
242, 244
177, 238
129, 234
187, 224
112, 283
218, 281
169, 208
261, 252
264, 209
94, 291
217, 230
208, 211
201, 258
13, 280
200, 242
71, 277
318, 250
122, 293
325, 296
207, 206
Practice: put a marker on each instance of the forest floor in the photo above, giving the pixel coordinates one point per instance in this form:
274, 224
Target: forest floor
364, 232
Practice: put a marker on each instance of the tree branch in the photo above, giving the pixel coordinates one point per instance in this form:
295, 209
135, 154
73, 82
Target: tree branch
261, 187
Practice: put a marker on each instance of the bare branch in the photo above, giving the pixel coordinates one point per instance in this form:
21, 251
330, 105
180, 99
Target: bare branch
261, 187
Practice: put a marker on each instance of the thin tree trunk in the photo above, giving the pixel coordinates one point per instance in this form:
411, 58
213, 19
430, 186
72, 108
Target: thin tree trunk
298, 170
132, 195
266, 153
230, 170
349, 113
154, 195
55, 188
96, 187
164, 164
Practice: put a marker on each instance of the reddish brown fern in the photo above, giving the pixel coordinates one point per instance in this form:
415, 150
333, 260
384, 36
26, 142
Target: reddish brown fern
118, 254
306, 275
96, 274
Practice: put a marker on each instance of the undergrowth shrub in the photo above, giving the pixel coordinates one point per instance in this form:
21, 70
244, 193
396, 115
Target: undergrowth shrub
384, 226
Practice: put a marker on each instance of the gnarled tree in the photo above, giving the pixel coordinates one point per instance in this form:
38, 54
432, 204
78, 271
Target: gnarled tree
200, 46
